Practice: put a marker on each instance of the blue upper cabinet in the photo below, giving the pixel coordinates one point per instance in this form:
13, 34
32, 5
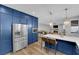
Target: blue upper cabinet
17, 13
23, 20
5, 10
16, 17
35, 22
19, 17
5, 41
16, 20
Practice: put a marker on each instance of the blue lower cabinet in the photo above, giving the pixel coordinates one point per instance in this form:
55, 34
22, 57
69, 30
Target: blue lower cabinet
65, 47
30, 36
5, 48
5, 39
35, 37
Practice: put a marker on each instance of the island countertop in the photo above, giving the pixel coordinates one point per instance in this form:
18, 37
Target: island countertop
62, 37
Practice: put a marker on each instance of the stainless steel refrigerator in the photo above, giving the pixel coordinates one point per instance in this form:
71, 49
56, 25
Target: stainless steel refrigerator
20, 36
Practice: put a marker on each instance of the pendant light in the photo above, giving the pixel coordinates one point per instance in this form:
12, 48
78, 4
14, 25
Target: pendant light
51, 23
66, 22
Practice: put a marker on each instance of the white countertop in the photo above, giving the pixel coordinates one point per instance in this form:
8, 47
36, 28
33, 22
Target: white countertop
65, 38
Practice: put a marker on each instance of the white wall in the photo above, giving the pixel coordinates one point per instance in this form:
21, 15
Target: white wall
43, 27
46, 27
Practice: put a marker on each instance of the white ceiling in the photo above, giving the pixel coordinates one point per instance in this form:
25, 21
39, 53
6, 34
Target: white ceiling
42, 11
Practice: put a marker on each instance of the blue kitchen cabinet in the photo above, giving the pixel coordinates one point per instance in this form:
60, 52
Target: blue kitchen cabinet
16, 20
0, 31
5, 39
6, 10
16, 17
8, 17
30, 35
35, 25
17, 13
19, 20
65, 47
77, 50
19, 17
23, 20
49, 46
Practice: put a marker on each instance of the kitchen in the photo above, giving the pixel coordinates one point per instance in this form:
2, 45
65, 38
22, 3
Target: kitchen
49, 29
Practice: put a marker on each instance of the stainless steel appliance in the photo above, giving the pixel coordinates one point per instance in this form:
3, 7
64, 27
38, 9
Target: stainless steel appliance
20, 36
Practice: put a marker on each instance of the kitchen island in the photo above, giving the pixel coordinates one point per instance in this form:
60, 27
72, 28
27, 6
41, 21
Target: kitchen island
66, 44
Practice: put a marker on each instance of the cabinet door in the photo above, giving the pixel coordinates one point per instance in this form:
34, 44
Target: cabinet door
0, 31
6, 42
19, 20
18, 17
66, 47
6, 10
16, 20
23, 20
30, 34
35, 25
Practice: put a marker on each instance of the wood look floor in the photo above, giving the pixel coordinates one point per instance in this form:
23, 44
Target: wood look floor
35, 49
